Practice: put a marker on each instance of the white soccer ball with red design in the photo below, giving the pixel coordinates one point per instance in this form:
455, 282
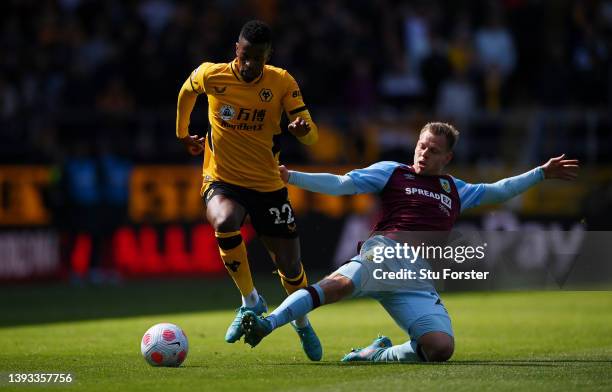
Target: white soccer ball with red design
164, 344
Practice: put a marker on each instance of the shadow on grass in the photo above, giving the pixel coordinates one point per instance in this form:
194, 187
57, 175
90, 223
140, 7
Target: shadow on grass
24, 304
528, 362
509, 362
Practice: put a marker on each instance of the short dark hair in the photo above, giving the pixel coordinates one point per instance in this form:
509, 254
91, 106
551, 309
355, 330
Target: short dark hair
256, 32
440, 128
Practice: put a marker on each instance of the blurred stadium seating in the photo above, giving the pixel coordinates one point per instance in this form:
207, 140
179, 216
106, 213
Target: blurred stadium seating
91, 173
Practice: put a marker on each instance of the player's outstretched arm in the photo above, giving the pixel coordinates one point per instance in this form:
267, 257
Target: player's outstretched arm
327, 183
186, 101
371, 179
555, 168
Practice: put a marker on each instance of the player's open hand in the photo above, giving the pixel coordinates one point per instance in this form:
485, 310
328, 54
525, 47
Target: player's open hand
560, 168
194, 144
284, 173
299, 127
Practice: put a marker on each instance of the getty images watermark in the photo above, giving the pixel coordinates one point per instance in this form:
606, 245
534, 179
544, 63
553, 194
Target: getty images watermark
574, 259
406, 253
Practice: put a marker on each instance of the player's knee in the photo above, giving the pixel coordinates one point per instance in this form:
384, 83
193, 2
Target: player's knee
224, 215
440, 353
437, 347
224, 223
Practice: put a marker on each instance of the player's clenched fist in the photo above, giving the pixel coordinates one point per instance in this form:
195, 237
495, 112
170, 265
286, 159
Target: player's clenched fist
284, 173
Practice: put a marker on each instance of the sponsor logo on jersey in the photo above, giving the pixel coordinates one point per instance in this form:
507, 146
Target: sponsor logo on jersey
447, 201
251, 119
242, 126
409, 176
266, 95
445, 185
219, 90
255, 115
227, 112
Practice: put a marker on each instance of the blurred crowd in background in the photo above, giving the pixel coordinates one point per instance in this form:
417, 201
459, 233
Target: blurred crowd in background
521, 79
88, 91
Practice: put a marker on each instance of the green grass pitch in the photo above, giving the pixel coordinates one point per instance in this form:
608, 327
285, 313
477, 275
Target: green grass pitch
545, 341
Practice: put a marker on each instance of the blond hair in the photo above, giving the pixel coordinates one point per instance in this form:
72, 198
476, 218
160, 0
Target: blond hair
447, 130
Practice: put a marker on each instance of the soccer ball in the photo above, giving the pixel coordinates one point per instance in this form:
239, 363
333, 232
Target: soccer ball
164, 344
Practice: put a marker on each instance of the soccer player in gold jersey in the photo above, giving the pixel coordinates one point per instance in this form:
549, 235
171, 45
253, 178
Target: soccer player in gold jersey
246, 99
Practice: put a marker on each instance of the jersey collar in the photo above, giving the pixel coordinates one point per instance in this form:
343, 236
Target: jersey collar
411, 168
234, 68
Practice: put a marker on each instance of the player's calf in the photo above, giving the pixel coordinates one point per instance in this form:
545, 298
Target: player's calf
297, 305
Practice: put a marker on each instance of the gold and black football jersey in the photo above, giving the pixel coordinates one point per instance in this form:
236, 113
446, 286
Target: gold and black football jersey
241, 143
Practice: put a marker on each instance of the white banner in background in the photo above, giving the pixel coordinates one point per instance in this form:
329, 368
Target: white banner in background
26, 254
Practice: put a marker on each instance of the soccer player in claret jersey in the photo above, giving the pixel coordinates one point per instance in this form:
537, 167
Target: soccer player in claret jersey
420, 313
246, 99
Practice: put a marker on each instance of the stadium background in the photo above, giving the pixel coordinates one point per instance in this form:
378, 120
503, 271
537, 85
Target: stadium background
95, 188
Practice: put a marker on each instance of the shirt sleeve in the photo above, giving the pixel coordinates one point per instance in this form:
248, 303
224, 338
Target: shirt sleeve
329, 184
197, 79
292, 100
373, 179
195, 84
473, 195
294, 106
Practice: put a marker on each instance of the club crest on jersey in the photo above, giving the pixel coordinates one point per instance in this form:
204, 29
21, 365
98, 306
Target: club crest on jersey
445, 185
227, 112
266, 95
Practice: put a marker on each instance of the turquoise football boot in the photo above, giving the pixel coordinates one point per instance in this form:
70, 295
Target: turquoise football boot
235, 331
310, 342
369, 353
255, 328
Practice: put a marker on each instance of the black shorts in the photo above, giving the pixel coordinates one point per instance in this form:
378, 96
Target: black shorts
271, 212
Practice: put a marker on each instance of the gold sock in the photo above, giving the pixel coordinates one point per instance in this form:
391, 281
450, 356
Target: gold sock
234, 255
294, 284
